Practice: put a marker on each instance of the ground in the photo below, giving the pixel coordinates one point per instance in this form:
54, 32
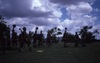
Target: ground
54, 54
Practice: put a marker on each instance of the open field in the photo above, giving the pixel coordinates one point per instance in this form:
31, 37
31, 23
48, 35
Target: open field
54, 54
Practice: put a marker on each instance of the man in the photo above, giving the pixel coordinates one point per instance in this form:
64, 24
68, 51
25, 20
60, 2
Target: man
23, 39
64, 38
35, 38
76, 39
14, 36
48, 38
41, 38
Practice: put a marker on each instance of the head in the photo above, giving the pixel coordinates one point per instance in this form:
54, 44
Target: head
36, 28
19, 28
24, 28
14, 25
65, 28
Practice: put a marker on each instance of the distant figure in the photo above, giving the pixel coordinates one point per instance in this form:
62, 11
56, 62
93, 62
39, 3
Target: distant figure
24, 39
14, 36
20, 40
64, 38
76, 39
35, 38
29, 39
41, 38
83, 37
8, 37
48, 38
24, 36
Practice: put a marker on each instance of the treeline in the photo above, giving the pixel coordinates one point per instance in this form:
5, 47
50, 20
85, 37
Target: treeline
12, 40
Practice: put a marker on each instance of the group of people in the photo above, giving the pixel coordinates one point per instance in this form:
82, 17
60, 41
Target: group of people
77, 39
25, 38
30, 39
10, 39
13, 40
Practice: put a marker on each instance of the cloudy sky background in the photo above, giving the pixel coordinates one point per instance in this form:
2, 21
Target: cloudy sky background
47, 14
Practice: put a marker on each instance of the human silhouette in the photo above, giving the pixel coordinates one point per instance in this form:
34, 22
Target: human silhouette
24, 36
64, 38
29, 39
20, 40
41, 38
14, 36
24, 39
35, 37
76, 39
48, 38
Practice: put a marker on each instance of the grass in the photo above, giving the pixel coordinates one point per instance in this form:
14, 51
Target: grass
55, 54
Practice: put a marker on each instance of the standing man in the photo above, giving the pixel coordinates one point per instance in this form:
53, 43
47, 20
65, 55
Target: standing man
48, 38
35, 38
41, 38
14, 36
64, 38
76, 39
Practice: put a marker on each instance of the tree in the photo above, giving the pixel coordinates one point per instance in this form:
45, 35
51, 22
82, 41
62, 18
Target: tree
3, 33
54, 33
88, 35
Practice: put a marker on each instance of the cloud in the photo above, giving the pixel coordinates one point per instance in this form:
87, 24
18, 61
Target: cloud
80, 15
46, 14
36, 12
39, 11
69, 2
74, 25
76, 11
20, 8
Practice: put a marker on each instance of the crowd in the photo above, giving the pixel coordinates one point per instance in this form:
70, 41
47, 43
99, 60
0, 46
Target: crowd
35, 39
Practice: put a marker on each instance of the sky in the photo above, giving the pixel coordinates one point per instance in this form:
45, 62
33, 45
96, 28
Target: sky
47, 14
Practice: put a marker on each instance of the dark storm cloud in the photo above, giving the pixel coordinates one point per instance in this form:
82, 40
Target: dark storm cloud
69, 2
19, 8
